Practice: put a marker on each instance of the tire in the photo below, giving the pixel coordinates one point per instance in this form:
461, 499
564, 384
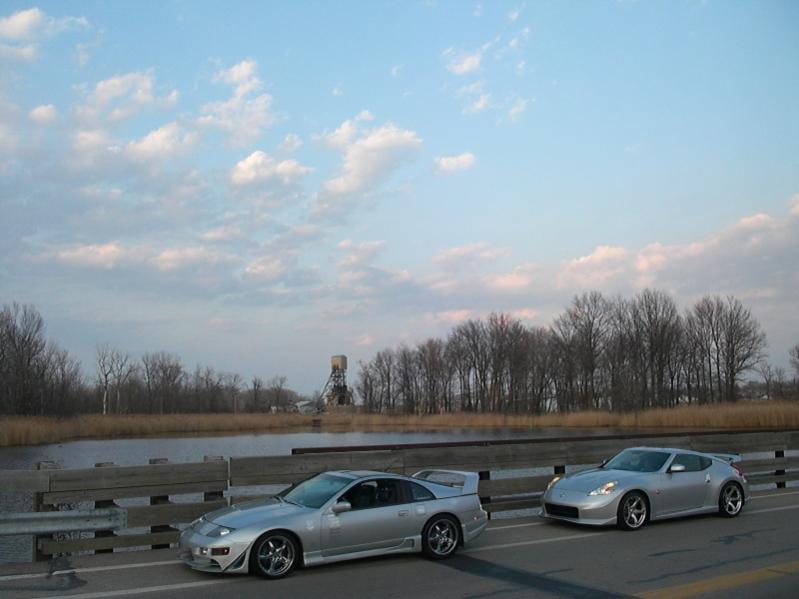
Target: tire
441, 537
274, 555
731, 500
633, 511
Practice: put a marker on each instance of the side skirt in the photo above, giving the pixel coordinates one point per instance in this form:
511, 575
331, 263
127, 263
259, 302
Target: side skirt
409, 545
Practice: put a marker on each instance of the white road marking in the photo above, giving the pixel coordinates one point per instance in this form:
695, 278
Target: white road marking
91, 569
515, 526
775, 495
771, 509
536, 542
142, 590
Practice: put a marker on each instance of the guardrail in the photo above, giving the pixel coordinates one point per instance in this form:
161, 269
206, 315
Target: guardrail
514, 473
36, 523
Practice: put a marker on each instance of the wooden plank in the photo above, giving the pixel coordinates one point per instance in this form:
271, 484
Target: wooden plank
765, 478
170, 513
289, 469
762, 465
49, 546
127, 492
25, 480
513, 486
739, 443
506, 506
136, 476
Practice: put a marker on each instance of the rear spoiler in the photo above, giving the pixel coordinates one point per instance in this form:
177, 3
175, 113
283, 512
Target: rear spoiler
466, 481
730, 458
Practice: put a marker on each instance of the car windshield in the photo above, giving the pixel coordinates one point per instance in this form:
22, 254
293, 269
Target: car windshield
315, 491
638, 460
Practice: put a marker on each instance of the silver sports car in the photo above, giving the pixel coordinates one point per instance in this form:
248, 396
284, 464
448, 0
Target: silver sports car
336, 516
648, 483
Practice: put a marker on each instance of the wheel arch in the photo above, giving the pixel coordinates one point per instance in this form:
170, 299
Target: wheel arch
451, 515
286, 531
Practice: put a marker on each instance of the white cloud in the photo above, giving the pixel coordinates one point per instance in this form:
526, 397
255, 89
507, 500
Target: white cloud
337, 91
519, 106
243, 116
187, 257
480, 104
365, 340
31, 23
165, 141
468, 254
259, 167
514, 14
364, 115
795, 205
452, 164
369, 155
44, 114
106, 255
464, 63
395, 70
360, 254
26, 53
122, 96
291, 143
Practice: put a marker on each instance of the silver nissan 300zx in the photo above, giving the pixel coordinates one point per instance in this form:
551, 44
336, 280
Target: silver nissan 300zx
648, 483
336, 516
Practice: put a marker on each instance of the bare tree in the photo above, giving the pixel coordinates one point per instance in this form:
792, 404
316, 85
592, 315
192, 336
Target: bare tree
104, 372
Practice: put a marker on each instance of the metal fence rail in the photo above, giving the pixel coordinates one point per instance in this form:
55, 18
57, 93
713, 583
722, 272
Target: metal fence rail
35, 523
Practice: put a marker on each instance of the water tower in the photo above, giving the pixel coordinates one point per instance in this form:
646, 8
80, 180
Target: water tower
336, 393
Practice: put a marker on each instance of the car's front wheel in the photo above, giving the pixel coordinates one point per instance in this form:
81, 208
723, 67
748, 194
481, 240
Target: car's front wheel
731, 500
633, 511
440, 537
274, 555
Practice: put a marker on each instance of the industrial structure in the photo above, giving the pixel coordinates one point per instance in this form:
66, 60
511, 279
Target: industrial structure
336, 394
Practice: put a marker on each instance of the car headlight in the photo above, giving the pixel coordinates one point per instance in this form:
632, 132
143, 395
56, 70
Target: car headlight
605, 489
220, 531
553, 481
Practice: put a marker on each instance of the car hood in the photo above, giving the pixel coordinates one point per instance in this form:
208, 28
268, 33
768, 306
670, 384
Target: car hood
253, 512
588, 480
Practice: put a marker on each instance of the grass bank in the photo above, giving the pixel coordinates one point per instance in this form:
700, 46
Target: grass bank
743, 415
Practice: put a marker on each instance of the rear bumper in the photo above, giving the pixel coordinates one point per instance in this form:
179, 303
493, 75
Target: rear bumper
475, 527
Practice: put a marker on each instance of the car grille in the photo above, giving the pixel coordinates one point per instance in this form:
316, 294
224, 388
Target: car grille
564, 511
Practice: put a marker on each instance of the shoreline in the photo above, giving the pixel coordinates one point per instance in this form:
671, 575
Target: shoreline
20, 431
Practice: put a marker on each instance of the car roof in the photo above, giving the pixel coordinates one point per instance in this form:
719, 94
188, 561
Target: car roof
357, 474
669, 449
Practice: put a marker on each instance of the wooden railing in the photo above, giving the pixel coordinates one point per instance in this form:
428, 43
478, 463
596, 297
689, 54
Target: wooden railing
514, 473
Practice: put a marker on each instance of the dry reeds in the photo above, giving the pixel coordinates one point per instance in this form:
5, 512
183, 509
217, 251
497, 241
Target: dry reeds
742, 415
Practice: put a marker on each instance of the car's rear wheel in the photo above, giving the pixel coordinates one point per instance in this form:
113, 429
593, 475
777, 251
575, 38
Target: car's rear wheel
731, 500
440, 537
274, 555
633, 511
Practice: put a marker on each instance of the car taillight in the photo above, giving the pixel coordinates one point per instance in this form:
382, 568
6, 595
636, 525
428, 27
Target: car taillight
739, 470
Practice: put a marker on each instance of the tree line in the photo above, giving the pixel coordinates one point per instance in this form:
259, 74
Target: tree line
37, 377
602, 353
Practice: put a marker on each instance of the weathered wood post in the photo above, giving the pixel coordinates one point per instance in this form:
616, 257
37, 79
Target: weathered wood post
39, 506
780, 471
485, 475
213, 495
104, 503
160, 500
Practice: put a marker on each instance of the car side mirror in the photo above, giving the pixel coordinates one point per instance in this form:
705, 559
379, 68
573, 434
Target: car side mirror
342, 506
677, 468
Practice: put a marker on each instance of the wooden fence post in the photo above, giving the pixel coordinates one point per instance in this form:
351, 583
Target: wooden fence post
38, 506
485, 475
213, 495
780, 472
104, 503
160, 500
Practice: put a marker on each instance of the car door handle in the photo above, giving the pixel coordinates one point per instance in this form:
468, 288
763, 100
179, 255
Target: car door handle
403, 513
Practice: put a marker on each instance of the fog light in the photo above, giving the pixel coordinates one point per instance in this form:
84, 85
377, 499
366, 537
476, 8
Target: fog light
220, 551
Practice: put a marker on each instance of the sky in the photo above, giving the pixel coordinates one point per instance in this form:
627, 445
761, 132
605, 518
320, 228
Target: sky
257, 186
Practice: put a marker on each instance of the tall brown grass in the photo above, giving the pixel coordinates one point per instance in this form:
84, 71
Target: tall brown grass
743, 415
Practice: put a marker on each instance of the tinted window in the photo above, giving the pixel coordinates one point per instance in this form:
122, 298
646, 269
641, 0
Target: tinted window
638, 460
419, 493
692, 463
315, 491
374, 493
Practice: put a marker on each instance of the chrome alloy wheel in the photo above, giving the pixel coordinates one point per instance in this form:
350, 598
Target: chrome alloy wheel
633, 511
276, 555
731, 499
442, 537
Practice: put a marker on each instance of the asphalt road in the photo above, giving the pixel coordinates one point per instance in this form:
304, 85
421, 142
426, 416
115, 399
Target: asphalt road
754, 555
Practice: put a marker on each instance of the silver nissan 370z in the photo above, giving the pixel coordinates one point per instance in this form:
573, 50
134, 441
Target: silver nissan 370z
647, 483
337, 516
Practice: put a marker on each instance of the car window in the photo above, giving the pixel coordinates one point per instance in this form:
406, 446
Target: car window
692, 462
638, 460
419, 493
374, 493
315, 491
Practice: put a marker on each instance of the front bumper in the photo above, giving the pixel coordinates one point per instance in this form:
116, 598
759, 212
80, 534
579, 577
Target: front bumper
579, 507
196, 551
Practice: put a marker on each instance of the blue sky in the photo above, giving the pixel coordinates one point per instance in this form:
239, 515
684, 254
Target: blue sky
258, 186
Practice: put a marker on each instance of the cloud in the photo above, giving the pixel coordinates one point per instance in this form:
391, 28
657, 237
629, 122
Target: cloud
33, 23
360, 254
468, 254
290, 144
514, 14
395, 70
105, 255
337, 91
482, 102
365, 340
795, 205
244, 115
464, 62
123, 96
452, 164
259, 167
160, 143
26, 53
44, 114
519, 106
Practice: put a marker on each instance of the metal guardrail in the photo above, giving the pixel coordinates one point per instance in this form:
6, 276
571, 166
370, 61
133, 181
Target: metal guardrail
34, 523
